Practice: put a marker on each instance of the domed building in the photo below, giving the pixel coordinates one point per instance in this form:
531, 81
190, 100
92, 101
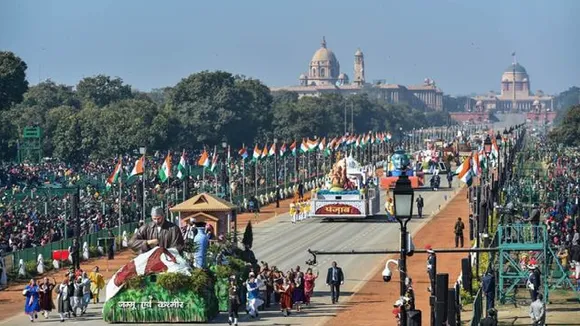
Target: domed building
515, 95
324, 68
324, 76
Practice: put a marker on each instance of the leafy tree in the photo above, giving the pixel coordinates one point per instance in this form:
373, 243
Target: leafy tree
211, 107
248, 239
48, 95
567, 132
13, 83
103, 90
568, 98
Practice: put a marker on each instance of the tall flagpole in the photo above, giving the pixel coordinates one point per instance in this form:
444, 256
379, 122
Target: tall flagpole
120, 196
256, 177
229, 189
244, 173
203, 175
143, 184
168, 185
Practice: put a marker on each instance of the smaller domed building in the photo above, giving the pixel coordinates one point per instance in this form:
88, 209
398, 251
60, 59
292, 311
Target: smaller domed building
516, 94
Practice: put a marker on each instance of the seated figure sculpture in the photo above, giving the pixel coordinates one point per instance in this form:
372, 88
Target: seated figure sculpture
400, 163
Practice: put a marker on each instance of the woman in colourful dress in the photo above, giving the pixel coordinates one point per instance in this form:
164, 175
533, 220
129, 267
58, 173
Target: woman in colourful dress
298, 292
31, 304
285, 291
45, 292
309, 279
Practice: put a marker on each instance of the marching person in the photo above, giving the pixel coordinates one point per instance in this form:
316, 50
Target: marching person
334, 279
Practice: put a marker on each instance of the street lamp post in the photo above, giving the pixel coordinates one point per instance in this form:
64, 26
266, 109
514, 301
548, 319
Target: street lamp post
226, 172
142, 151
487, 150
403, 201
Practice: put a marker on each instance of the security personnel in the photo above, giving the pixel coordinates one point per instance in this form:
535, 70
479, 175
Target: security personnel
431, 267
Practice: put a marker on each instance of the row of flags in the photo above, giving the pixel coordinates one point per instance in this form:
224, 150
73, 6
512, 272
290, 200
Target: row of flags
306, 145
476, 163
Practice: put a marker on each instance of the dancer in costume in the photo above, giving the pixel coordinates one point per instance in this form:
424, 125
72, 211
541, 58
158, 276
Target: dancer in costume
298, 292
234, 302
97, 283
63, 298
285, 291
293, 212
31, 304
309, 284
45, 291
86, 282
254, 300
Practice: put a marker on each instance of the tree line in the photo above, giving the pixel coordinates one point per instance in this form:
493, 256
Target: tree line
102, 116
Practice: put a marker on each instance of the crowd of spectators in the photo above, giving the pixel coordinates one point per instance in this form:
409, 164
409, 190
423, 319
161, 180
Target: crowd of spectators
35, 209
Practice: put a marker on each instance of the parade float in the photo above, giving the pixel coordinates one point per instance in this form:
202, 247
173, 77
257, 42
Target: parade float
162, 286
396, 168
350, 192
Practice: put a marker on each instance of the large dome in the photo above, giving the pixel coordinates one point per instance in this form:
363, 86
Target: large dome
518, 68
324, 54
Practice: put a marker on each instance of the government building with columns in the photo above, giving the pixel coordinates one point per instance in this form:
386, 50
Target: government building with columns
515, 96
324, 77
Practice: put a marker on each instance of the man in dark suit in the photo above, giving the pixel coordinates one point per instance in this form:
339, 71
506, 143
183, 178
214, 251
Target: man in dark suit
334, 279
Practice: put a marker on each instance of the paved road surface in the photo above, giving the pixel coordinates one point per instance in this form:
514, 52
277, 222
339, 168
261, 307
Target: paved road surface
279, 242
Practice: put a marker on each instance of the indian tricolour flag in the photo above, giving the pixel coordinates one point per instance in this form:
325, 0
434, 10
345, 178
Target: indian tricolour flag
272, 151
114, 176
256, 153
203, 159
165, 170
494, 151
475, 167
304, 146
322, 144
312, 144
182, 167
464, 171
293, 148
138, 169
214, 159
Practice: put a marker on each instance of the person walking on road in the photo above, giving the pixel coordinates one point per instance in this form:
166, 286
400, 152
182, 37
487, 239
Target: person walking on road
538, 311
458, 229
420, 204
334, 279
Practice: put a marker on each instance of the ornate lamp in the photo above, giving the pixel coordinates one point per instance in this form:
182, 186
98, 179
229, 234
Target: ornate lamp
403, 199
498, 140
487, 145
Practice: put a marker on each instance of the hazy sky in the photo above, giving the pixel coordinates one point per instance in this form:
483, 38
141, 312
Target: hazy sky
464, 45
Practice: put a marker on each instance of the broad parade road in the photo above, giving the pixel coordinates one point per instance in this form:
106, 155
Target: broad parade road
278, 242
